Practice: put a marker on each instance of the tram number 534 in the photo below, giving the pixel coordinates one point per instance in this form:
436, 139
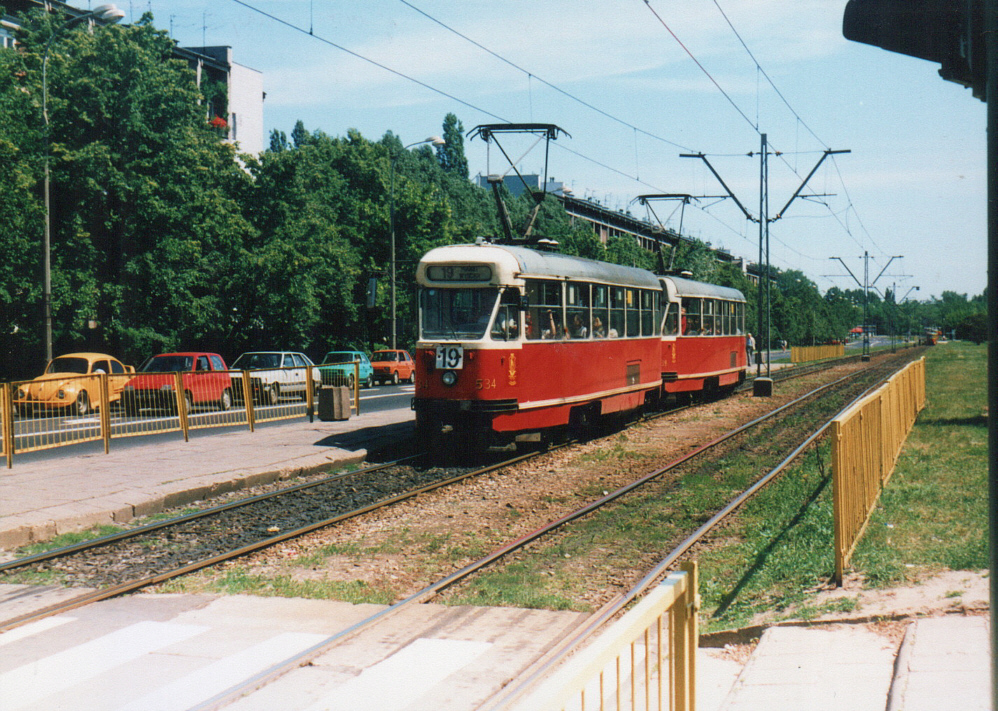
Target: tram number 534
450, 357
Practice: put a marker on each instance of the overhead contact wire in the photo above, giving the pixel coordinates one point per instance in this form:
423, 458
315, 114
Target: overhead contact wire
543, 81
371, 61
702, 67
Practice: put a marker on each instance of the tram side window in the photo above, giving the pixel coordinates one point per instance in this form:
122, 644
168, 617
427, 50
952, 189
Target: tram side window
601, 310
693, 324
577, 310
647, 313
506, 326
707, 315
633, 313
544, 316
671, 320
616, 325
740, 318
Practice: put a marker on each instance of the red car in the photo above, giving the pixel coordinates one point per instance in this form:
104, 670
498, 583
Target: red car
204, 378
391, 366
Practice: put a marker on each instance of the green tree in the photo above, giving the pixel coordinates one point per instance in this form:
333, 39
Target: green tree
451, 154
21, 219
144, 221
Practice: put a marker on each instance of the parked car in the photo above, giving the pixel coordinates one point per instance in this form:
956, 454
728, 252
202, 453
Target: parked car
391, 366
65, 384
276, 373
337, 368
205, 381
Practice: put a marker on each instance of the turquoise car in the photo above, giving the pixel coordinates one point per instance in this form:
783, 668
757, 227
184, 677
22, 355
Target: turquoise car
337, 368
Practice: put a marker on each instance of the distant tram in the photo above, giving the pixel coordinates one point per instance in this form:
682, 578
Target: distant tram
516, 342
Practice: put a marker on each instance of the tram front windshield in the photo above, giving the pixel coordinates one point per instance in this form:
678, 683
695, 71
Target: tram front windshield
456, 314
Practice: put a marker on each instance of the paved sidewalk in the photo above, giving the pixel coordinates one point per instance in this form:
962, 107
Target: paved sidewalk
943, 664
41, 499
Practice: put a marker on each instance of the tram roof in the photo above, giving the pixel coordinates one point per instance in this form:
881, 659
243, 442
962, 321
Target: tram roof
688, 287
535, 264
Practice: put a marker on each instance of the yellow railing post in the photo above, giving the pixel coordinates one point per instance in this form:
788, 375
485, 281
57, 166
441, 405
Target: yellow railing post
356, 385
178, 387
105, 413
247, 387
7, 422
310, 394
685, 638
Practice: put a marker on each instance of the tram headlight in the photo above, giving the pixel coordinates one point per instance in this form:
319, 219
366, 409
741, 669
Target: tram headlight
449, 378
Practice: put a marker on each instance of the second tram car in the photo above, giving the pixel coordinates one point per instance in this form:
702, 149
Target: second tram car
703, 337
515, 341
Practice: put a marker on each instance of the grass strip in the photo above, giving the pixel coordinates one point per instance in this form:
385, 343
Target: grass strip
932, 515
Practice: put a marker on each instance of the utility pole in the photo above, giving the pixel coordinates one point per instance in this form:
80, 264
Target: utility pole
763, 387
865, 286
763, 239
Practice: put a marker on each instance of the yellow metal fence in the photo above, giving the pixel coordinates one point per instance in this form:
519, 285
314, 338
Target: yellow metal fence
74, 409
803, 354
646, 660
866, 441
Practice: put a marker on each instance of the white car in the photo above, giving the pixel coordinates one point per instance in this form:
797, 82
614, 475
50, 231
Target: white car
275, 374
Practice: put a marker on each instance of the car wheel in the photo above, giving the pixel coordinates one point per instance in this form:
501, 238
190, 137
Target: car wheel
370, 382
82, 404
412, 377
395, 378
188, 403
272, 395
226, 401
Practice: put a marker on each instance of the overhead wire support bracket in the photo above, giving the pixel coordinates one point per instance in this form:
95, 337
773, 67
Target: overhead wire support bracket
804, 182
724, 185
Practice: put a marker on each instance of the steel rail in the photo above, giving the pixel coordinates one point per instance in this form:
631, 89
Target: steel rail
132, 586
179, 520
264, 677
612, 607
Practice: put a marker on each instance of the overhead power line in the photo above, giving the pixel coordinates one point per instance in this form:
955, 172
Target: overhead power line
532, 75
702, 67
763, 72
370, 61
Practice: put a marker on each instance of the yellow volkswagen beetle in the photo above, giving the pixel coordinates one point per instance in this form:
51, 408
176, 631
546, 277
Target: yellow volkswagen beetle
71, 382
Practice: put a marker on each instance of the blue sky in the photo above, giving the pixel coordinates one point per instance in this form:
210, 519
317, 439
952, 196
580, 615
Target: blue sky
913, 184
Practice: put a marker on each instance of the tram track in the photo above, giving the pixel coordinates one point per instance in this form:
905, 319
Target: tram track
131, 560
350, 481
613, 606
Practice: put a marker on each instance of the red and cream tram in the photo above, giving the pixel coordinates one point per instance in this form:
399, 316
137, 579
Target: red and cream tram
515, 341
703, 336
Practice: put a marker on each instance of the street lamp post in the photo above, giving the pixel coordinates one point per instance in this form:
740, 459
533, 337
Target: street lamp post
104, 13
436, 141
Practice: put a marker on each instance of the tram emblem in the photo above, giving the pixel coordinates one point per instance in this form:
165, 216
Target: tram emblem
512, 368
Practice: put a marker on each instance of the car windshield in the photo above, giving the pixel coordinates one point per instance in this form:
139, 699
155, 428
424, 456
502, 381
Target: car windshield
169, 364
340, 358
456, 314
69, 365
385, 356
252, 361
